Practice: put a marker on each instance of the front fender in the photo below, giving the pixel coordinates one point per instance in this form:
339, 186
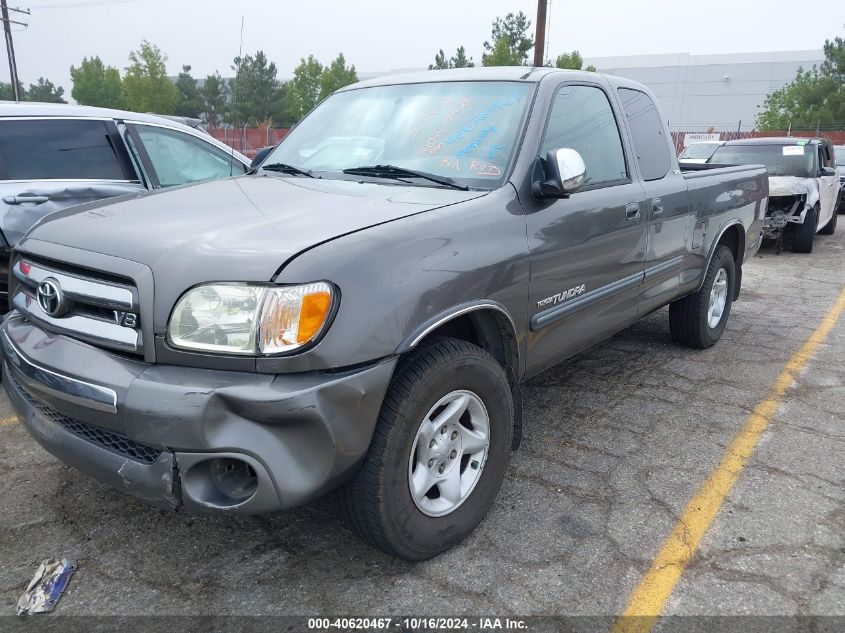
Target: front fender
400, 279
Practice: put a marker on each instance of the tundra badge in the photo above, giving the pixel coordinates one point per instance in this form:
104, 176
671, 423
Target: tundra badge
562, 296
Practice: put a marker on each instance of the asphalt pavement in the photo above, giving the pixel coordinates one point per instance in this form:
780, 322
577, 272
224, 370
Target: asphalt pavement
617, 441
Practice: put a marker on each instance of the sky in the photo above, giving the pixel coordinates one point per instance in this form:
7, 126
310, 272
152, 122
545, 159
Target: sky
379, 35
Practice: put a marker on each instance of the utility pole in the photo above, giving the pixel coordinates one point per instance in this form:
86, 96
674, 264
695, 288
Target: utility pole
10, 47
540, 35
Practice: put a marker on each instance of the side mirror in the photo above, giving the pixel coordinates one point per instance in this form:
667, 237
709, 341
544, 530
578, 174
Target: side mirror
260, 155
828, 171
563, 172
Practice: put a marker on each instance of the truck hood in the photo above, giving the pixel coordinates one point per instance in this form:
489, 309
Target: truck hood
241, 229
789, 185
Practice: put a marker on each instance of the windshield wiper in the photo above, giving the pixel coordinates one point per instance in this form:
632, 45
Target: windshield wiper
284, 168
397, 173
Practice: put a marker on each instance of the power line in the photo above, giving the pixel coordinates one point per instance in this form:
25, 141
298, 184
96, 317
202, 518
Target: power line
84, 3
10, 47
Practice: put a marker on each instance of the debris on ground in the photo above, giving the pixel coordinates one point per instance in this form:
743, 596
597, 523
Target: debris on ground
46, 587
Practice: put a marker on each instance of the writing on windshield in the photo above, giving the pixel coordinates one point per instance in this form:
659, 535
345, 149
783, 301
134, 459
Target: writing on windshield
464, 130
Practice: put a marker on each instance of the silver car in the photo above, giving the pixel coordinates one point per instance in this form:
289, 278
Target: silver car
53, 156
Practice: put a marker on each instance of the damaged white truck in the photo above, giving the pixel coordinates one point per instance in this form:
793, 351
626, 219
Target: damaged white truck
803, 185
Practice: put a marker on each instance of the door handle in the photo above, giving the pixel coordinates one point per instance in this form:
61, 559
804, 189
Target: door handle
24, 199
632, 211
656, 206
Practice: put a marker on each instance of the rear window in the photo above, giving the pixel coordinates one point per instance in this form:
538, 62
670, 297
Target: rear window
57, 149
647, 129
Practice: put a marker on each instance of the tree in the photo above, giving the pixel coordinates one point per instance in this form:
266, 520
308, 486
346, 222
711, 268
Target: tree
459, 60
304, 89
815, 97
256, 91
336, 75
510, 41
214, 96
572, 61
146, 84
440, 62
96, 84
6, 92
189, 102
45, 92
502, 54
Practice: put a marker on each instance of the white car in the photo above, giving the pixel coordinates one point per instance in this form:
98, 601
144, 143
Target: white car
699, 152
53, 156
803, 184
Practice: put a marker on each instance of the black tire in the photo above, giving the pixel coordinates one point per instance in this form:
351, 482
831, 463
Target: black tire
377, 503
688, 317
803, 235
830, 227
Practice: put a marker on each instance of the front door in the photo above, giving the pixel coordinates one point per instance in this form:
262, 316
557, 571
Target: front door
828, 185
586, 251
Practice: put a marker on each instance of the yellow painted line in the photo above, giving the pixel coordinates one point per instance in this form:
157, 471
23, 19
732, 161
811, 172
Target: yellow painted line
650, 596
12, 419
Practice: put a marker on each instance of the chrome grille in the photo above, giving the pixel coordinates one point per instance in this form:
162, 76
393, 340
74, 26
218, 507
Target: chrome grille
97, 310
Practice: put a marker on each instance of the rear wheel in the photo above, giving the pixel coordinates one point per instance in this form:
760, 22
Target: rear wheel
699, 319
804, 234
830, 227
438, 453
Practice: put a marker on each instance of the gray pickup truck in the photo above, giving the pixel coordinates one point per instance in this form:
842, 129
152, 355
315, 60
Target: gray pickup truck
359, 314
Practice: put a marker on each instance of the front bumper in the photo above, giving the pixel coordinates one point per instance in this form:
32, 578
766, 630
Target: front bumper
783, 211
159, 432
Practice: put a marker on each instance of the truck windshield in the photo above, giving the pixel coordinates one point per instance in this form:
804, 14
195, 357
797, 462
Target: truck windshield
466, 131
780, 160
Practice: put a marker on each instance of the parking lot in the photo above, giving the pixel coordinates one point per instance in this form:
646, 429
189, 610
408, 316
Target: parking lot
617, 441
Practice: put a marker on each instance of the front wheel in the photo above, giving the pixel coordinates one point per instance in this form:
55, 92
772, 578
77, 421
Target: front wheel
438, 453
830, 227
804, 234
699, 319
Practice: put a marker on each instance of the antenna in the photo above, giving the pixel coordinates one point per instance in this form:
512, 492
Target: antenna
237, 93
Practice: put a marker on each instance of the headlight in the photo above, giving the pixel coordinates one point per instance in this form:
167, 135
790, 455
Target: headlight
250, 319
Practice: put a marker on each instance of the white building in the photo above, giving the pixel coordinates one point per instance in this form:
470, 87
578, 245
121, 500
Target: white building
723, 91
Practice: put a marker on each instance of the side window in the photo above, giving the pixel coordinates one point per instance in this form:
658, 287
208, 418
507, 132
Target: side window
826, 155
180, 158
647, 129
581, 119
40, 149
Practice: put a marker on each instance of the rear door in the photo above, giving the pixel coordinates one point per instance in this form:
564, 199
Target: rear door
172, 157
586, 251
667, 209
47, 164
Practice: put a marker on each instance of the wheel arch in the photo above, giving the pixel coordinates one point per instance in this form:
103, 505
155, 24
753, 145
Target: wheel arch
732, 235
487, 324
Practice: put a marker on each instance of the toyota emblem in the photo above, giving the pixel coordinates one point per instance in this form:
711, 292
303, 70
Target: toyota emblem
50, 297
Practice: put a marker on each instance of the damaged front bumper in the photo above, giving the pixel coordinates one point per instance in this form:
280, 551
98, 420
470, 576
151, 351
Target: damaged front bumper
179, 437
782, 211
